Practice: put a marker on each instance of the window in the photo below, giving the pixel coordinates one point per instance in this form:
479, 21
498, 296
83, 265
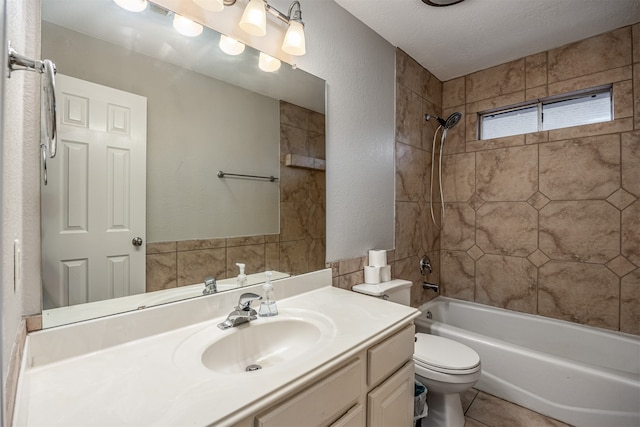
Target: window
548, 114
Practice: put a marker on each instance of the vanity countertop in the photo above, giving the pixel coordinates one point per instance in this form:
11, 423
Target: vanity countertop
150, 381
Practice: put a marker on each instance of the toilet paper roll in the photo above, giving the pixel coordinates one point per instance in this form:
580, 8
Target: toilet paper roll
385, 273
371, 275
377, 258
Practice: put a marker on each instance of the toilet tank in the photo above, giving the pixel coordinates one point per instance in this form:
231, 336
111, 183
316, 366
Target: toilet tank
397, 290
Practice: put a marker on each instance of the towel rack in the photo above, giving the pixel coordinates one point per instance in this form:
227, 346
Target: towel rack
46, 67
226, 174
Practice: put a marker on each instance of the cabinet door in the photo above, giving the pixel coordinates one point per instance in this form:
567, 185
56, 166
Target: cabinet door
353, 418
391, 403
321, 403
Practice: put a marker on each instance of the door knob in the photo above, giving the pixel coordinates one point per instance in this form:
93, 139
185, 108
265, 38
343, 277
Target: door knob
137, 241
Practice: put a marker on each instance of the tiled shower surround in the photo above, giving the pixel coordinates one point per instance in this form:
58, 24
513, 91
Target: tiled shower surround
300, 246
545, 223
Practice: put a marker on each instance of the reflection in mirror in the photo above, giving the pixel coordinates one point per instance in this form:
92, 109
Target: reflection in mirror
129, 83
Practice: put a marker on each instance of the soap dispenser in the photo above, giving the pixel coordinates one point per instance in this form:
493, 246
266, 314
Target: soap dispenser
268, 305
242, 278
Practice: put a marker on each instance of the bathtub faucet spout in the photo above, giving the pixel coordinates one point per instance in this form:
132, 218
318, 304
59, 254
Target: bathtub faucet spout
432, 286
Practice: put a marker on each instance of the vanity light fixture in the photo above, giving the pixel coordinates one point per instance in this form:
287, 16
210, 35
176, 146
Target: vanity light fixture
254, 21
230, 46
186, 26
132, 5
268, 63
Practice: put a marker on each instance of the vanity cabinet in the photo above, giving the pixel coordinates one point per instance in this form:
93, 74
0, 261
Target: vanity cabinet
373, 389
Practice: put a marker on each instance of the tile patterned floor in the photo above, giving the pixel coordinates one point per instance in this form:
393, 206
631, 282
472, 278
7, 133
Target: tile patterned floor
484, 410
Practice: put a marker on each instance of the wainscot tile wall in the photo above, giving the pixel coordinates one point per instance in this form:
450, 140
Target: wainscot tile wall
549, 222
300, 246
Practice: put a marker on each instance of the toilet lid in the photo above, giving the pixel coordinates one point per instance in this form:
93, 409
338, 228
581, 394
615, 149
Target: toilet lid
443, 353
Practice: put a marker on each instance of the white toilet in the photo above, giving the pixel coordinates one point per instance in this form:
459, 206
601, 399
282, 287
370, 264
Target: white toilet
446, 367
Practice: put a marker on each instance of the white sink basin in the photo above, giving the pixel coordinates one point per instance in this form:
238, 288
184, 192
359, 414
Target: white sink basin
260, 344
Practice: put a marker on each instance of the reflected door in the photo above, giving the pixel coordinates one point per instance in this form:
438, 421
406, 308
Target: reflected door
94, 206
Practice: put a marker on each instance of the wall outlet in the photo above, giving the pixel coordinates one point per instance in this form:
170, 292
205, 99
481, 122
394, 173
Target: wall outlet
17, 264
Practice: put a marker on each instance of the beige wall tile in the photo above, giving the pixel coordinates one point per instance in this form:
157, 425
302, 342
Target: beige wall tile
245, 240
506, 282
272, 256
631, 233
194, 266
471, 130
453, 93
458, 182
536, 138
407, 269
631, 162
630, 303
161, 271
563, 165
294, 115
317, 123
161, 247
294, 257
536, 70
509, 174
623, 99
458, 227
294, 218
409, 117
457, 275
190, 245
347, 281
293, 140
316, 225
587, 231
599, 53
498, 101
535, 93
294, 185
636, 42
429, 231
429, 127
579, 292
351, 265
492, 144
615, 126
317, 254
408, 230
408, 72
411, 172
431, 88
507, 228
498, 80
636, 95
253, 256
591, 80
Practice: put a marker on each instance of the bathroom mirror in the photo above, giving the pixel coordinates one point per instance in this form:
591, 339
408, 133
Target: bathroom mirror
206, 111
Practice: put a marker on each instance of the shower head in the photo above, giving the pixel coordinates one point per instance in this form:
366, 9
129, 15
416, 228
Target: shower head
451, 121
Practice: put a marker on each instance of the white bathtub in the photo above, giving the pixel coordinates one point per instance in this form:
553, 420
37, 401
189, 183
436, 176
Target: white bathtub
577, 374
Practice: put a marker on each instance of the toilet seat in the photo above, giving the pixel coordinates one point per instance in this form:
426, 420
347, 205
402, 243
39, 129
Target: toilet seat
444, 355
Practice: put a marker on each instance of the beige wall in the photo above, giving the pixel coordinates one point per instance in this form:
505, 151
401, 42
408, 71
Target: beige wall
545, 223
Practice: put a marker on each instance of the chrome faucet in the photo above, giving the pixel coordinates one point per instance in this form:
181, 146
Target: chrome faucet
210, 286
243, 313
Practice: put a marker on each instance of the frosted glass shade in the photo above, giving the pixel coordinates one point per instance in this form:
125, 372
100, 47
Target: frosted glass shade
294, 43
186, 26
212, 5
268, 63
230, 46
254, 18
132, 5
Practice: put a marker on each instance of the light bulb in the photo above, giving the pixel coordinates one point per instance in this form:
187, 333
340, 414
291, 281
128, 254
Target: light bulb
268, 63
230, 46
254, 18
186, 26
294, 43
132, 5
212, 5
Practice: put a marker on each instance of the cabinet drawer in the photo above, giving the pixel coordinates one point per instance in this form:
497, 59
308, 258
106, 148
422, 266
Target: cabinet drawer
385, 358
353, 418
321, 403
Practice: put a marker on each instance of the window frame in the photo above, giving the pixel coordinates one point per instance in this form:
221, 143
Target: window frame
540, 103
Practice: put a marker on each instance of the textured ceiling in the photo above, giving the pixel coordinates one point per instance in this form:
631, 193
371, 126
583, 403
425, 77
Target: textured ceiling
476, 34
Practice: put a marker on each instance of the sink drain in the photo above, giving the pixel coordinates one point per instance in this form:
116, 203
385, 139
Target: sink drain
251, 368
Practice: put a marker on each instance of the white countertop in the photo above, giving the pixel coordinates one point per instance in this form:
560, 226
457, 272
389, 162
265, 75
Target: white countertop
150, 380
